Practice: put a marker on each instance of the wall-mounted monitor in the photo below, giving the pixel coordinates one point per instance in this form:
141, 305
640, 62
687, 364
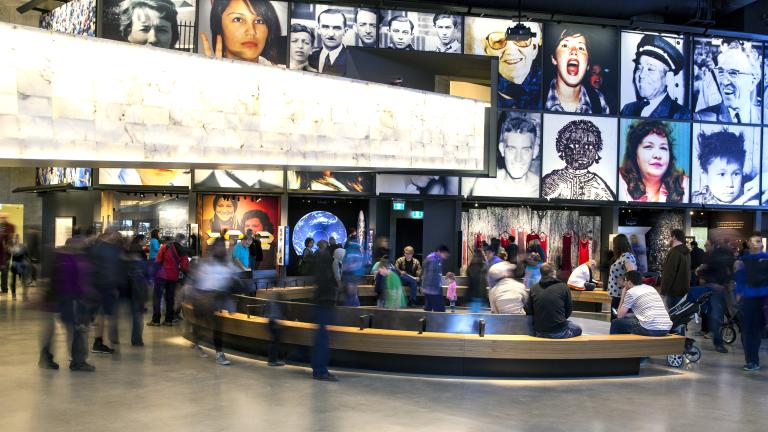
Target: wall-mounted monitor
417, 185
51, 176
421, 31
144, 177
239, 179
77, 17
331, 181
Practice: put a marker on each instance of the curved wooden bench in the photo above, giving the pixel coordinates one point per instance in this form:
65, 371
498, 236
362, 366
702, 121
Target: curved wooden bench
601, 297
459, 354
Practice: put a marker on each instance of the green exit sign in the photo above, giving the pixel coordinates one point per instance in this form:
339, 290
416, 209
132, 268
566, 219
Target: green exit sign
398, 205
416, 214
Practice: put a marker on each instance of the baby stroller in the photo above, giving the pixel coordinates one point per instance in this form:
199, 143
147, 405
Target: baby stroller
681, 314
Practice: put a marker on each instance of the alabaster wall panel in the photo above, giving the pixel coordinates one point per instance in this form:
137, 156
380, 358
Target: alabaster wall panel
75, 99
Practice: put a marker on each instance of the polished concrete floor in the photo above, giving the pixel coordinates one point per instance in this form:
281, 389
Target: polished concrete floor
165, 386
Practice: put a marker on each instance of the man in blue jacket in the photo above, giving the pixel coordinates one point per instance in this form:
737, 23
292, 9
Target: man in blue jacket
432, 279
752, 294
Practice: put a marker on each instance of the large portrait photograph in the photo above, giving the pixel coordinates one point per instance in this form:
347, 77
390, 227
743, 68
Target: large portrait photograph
518, 159
421, 31
654, 161
50, 176
725, 165
582, 158
417, 184
223, 214
145, 177
654, 76
727, 80
519, 83
160, 23
248, 30
764, 170
320, 35
78, 17
239, 179
331, 181
580, 69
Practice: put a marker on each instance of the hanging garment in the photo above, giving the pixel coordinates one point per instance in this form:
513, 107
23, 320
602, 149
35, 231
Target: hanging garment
584, 251
566, 260
543, 239
530, 237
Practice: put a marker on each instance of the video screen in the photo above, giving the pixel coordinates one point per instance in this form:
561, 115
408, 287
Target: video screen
654, 76
49, 176
421, 31
654, 161
353, 182
224, 32
230, 214
160, 23
726, 165
519, 60
145, 177
242, 179
77, 17
417, 185
320, 34
581, 71
585, 166
727, 84
518, 159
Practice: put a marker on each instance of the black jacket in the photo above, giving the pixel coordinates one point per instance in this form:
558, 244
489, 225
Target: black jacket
676, 273
477, 281
325, 293
551, 305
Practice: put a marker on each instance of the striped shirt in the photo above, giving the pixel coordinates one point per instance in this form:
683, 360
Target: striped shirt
648, 307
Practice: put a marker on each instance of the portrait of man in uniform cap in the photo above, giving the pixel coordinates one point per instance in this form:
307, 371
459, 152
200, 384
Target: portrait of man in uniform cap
657, 61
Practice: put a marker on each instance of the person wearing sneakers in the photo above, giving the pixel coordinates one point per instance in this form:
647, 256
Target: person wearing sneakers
214, 280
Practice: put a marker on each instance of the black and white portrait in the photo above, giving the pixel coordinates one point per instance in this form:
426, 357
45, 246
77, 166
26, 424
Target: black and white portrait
160, 23
518, 159
241, 179
582, 161
421, 31
726, 165
654, 76
727, 84
519, 81
320, 35
248, 30
764, 200
580, 73
417, 184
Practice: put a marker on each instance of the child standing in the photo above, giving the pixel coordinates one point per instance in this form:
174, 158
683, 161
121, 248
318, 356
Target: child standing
451, 294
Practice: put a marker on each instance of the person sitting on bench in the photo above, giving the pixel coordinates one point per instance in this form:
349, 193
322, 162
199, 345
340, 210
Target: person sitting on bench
649, 316
581, 277
410, 272
552, 306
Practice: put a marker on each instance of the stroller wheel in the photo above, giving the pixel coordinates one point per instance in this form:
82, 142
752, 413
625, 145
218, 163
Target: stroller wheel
693, 354
675, 360
728, 333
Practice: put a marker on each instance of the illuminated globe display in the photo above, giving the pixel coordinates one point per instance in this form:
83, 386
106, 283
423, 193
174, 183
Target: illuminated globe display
319, 225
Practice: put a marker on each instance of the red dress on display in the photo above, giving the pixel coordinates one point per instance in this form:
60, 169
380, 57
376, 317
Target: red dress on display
543, 238
566, 261
584, 251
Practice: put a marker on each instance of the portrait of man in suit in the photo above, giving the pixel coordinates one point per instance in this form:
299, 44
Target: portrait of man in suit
331, 58
401, 33
656, 59
366, 25
736, 76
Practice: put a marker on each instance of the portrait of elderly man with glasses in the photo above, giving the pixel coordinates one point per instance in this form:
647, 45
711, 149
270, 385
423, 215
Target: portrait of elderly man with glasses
519, 60
736, 74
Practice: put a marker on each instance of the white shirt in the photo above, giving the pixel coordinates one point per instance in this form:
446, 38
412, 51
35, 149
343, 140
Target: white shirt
325, 53
648, 307
580, 276
508, 297
652, 104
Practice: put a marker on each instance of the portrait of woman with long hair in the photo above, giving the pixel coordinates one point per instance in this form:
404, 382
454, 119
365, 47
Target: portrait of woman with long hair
649, 171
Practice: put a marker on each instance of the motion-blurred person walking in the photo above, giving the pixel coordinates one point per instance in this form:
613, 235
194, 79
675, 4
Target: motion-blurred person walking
752, 294
325, 299
173, 263
107, 275
137, 287
7, 231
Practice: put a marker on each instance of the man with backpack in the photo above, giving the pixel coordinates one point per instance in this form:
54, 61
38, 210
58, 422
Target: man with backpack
173, 262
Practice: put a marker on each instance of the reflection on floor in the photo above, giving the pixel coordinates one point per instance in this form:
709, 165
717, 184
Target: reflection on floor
165, 386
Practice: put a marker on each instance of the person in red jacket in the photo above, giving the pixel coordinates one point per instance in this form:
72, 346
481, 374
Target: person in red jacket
173, 262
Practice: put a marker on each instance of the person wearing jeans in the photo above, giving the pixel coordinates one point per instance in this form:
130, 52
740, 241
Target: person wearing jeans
410, 271
649, 317
551, 306
432, 280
